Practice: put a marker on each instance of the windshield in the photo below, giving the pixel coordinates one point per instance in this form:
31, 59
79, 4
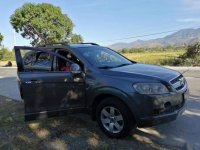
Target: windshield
102, 57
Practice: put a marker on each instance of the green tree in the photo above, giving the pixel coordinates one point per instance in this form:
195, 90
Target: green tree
1, 38
75, 38
43, 24
5, 54
193, 51
125, 50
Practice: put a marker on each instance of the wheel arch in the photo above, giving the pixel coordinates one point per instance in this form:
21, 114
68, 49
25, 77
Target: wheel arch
120, 95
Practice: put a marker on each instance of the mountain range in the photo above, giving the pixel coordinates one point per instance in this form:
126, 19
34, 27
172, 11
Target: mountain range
179, 38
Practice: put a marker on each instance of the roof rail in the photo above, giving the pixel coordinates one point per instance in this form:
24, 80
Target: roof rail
89, 43
62, 43
52, 44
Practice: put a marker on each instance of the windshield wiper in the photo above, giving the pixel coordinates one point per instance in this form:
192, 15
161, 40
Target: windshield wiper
121, 65
109, 67
105, 67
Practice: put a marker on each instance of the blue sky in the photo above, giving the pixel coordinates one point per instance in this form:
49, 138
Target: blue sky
103, 21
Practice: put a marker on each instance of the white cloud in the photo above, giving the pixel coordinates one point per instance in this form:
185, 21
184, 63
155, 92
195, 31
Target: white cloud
189, 20
192, 4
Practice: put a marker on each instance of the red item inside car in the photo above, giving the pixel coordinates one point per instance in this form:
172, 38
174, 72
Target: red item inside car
66, 68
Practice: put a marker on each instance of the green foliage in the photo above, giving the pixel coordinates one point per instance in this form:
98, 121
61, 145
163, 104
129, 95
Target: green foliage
1, 38
146, 50
172, 56
125, 50
5, 54
43, 24
190, 58
193, 51
154, 57
181, 62
75, 38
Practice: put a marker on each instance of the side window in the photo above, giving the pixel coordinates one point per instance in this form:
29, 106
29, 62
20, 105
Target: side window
42, 61
36, 61
60, 64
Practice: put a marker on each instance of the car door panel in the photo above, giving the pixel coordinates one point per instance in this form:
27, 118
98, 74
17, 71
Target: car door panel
49, 91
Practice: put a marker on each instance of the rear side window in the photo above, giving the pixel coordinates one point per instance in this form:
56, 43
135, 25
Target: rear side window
33, 60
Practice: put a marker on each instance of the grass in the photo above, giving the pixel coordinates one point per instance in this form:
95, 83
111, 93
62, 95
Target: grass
72, 132
153, 57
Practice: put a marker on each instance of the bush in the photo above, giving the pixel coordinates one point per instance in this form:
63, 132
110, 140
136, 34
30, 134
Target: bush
124, 50
171, 62
5, 54
190, 58
193, 51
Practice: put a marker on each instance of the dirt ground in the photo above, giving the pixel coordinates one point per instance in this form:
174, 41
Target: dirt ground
71, 132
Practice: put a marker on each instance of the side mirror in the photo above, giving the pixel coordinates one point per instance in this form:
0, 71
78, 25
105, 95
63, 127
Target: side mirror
75, 69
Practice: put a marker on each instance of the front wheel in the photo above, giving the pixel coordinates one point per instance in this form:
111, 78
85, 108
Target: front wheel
114, 118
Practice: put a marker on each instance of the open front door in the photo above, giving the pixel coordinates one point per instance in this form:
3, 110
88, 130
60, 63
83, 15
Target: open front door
47, 91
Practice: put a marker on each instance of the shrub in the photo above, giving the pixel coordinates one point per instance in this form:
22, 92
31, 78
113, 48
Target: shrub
5, 54
190, 58
193, 51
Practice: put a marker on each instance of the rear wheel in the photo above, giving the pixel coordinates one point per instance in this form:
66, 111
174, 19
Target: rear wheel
114, 118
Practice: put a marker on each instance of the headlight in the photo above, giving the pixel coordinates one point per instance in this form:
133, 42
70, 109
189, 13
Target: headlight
150, 88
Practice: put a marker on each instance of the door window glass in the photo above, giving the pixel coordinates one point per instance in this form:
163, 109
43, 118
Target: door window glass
34, 60
63, 65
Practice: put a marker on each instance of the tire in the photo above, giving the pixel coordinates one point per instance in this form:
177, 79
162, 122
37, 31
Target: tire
114, 118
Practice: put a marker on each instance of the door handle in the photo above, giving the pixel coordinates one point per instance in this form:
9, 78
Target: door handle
33, 81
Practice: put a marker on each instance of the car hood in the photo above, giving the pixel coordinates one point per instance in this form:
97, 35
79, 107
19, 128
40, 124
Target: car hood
148, 70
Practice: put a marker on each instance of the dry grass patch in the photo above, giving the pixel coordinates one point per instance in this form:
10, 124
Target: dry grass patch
153, 57
72, 132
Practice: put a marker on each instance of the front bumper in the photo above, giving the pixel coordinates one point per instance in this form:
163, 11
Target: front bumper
160, 119
167, 115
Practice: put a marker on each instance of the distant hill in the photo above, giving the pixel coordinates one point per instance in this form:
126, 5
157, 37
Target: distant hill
179, 38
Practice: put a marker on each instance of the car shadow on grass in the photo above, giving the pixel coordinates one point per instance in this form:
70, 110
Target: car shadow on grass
71, 132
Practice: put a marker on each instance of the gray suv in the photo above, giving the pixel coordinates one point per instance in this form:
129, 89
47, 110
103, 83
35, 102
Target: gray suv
120, 94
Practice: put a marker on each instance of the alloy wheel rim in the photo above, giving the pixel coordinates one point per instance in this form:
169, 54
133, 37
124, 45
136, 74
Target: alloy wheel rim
112, 119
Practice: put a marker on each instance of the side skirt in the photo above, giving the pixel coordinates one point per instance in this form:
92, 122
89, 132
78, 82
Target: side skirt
56, 113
